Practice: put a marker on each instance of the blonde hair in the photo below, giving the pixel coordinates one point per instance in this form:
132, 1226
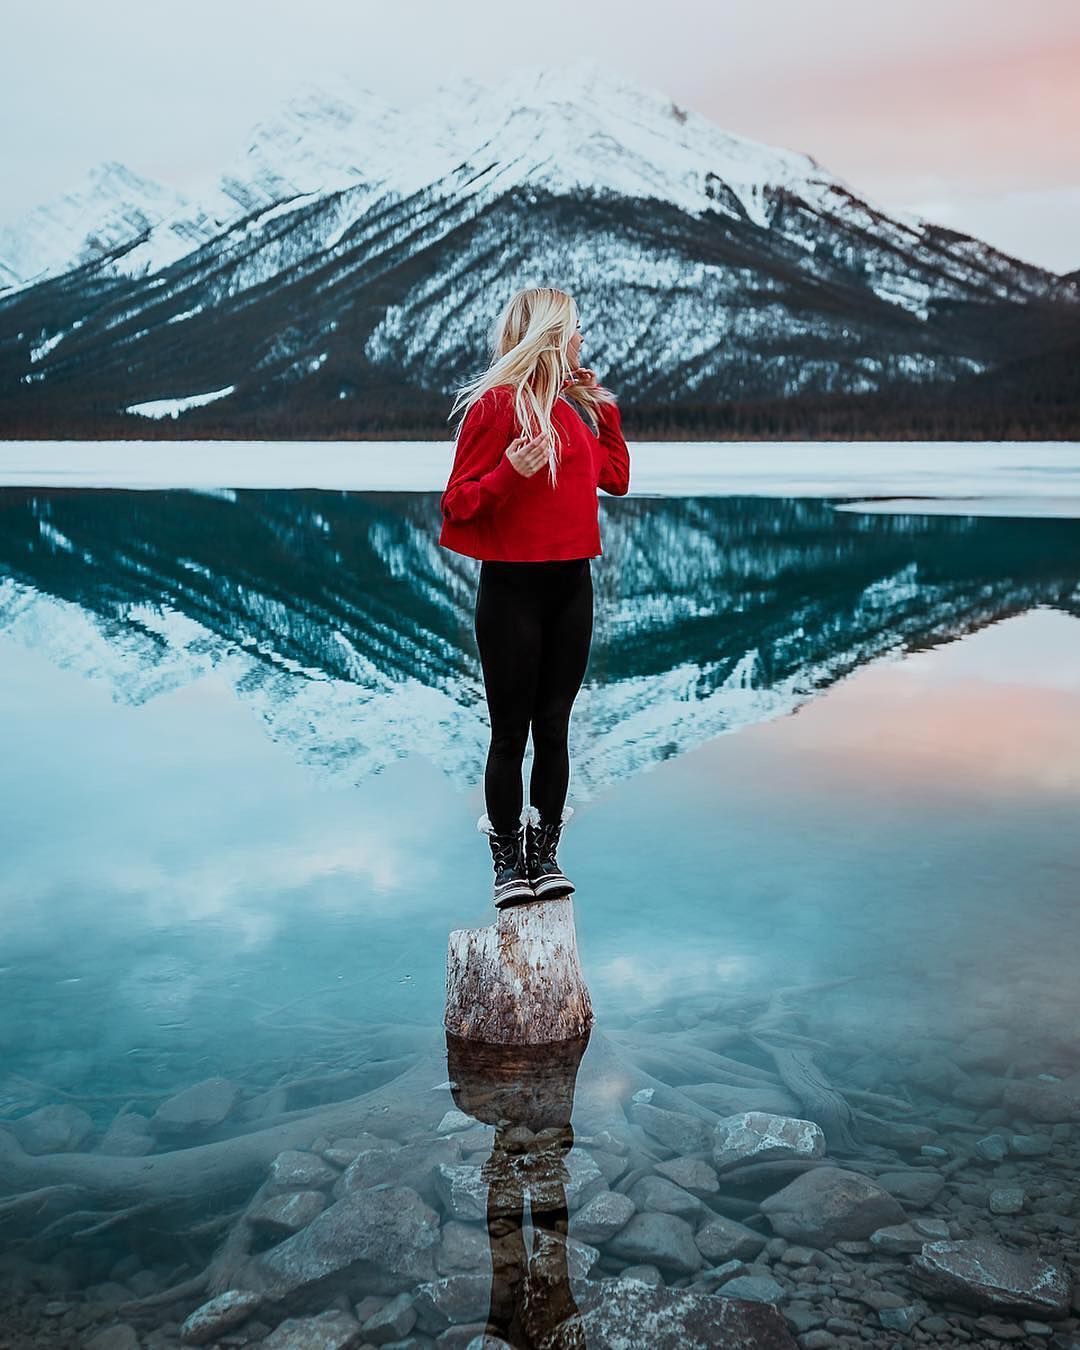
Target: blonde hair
529, 345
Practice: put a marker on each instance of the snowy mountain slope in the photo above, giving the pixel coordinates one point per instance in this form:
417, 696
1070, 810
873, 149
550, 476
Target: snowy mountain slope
316, 141
112, 207
364, 247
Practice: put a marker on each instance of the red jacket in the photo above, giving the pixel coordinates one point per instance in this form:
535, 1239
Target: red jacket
490, 510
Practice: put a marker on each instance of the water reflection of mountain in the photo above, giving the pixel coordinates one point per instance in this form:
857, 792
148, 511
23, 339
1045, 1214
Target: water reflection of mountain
340, 619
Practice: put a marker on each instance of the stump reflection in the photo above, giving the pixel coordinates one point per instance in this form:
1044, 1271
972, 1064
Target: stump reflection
527, 1094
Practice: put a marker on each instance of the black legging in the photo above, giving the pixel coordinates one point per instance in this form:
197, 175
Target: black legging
534, 625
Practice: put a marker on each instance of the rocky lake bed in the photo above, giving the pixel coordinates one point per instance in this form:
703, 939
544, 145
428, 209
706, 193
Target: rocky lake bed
729, 1178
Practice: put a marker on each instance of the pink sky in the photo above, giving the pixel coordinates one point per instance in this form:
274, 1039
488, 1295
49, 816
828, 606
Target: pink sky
1000, 122
994, 712
979, 131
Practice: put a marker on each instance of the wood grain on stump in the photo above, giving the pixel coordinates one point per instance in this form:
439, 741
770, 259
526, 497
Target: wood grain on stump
518, 982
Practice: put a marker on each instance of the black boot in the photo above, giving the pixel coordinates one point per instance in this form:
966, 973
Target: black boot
541, 840
508, 854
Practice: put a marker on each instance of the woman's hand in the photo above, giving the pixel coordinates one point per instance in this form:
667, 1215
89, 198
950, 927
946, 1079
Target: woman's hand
528, 456
583, 376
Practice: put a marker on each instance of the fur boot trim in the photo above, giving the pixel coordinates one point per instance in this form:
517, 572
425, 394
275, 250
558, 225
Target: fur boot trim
530, 815
485, 826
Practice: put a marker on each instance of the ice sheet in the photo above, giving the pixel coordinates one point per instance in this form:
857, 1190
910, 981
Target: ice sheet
1032, 478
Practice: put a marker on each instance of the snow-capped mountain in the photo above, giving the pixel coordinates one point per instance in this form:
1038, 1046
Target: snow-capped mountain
580, 127
353, 255
317, 141
567, 130
112, 207
339, 620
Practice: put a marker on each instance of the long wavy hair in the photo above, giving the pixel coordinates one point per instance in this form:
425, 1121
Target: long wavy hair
530, 351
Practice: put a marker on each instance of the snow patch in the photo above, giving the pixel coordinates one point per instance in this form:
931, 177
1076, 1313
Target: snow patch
173, 407
45, 346
55, 536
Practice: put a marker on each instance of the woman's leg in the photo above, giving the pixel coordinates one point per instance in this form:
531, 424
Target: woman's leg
508, 635
564, 658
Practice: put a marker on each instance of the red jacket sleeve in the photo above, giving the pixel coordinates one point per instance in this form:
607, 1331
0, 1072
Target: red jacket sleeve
615, 471
481, 475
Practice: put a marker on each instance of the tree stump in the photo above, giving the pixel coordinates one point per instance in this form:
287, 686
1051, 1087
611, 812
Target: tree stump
518, 982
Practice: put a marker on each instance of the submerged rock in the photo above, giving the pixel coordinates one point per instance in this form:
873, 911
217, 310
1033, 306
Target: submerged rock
367, 1242
451, 1301
603, 1216
53, 1129
611, 1164
281, 1215
980, 1089
757, 1136
453, 1121
411, 1164
722, 1239
830, 1204
662, 1240
988, 1275
709, 1281
332, 1330
992, 1147
915, 1186
393, 1321
664, 1197
985, 1048
295, 1170
621, 1313
644, 1274
464, 1248
1030, 1145
1007, 1200
678, 1132
757, 1288
128, 1136
897, 1239
1037, 1099
198, 1107
221, 1314
901, 1318
692, 1175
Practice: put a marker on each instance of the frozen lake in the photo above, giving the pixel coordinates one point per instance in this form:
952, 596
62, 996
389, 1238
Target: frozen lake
1022, 478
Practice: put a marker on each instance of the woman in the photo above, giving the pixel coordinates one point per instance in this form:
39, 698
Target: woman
539, 434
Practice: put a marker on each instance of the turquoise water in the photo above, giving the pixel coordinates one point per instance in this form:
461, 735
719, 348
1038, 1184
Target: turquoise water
243, 740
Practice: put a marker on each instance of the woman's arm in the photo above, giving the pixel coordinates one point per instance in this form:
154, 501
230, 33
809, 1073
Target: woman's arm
482, 474
615, 470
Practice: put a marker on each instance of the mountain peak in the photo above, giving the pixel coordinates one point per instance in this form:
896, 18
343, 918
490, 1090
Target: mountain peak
583, 125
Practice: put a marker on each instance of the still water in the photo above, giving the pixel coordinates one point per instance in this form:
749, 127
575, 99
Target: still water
826, 771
